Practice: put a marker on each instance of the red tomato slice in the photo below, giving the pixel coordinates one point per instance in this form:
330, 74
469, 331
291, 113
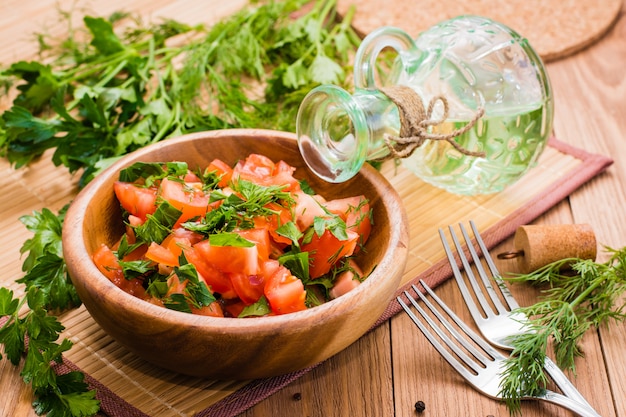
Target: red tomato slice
223, 170
326, 250
346, 281
230, 259
179, 238
355, 211
284, 292
216, 280
283, 175
138, 201
191, 201
261, 170
107, 263
191, 177
306, 210
255, 168
260, 236
161, 255
274, 221
249, 288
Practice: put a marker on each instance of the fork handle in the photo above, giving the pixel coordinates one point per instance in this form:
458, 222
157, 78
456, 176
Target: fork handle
570, 391
581, 409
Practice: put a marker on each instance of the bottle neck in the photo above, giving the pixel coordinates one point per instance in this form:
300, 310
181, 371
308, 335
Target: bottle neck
337, 132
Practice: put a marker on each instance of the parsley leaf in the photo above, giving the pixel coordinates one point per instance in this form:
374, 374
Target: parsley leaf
46, 228
49, 274
230, 239
297, 263
152, 171
260, 308
61, 395
158, 225
290, 231
196, 295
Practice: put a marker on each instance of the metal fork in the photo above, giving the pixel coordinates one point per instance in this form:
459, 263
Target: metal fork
498, 322
475, 360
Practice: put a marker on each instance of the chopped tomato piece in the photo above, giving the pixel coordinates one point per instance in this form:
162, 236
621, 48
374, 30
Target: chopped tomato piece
107, 263
175, 286
191, 177
283, 175
254, 168
216, 280
222, 169
232, 308
355, 211
261, 170
249, 288
179, 238
138, 201
274, 221
261, 238
326, 250
230, 259
306, 210
346, 281
284, 292
161, 255
191, 201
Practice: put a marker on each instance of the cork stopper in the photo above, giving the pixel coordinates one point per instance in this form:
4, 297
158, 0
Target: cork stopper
539, 245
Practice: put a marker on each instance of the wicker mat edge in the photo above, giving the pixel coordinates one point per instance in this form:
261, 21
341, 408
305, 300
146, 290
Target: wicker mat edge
255, 391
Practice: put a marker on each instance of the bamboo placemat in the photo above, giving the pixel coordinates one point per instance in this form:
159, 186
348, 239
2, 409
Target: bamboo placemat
128, 386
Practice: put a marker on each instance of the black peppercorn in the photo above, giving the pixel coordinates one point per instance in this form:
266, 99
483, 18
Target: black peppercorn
297, 396
420, 406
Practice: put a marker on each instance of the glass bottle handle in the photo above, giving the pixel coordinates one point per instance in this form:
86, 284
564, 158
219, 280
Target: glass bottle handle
372, 45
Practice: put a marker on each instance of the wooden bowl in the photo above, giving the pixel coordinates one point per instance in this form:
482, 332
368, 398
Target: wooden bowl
233, 348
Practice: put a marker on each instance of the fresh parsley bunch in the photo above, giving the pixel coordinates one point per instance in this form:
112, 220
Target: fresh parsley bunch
114, 91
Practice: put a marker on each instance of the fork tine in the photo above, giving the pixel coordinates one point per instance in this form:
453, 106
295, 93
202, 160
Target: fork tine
512, 303
487, 284
487, 354
487, 348
434, 341
469, 300
483, 356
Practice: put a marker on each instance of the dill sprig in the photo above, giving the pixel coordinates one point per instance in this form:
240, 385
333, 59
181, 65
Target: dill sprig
581, 294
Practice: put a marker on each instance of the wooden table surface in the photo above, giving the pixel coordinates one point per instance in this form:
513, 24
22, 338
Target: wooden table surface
386, 372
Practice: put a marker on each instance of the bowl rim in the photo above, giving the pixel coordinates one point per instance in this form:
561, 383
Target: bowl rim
73, 230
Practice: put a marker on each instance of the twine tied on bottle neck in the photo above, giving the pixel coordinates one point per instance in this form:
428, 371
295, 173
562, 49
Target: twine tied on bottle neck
415, 121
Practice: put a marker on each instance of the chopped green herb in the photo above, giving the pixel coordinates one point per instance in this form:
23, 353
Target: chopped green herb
230, 239
158, 225
260, 308
152, 171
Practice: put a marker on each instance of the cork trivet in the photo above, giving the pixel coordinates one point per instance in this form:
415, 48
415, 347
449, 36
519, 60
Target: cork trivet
555, 28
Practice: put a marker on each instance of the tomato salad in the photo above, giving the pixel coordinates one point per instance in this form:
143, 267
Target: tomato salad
243, 241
